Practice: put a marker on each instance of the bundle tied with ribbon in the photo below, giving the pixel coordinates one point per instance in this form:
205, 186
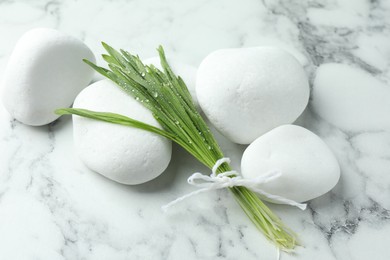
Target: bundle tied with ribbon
231, 179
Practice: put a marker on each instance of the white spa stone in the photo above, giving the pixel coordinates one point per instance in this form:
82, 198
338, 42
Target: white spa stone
45, 72
124, 154
350, 98
184, 70
309, 168
247, 92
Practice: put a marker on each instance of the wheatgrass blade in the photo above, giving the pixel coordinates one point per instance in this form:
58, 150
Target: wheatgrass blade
171, 104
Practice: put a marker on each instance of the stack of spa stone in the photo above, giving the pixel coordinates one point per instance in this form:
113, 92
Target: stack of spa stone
251, 96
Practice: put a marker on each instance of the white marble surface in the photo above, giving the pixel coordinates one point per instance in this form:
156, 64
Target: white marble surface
52, 207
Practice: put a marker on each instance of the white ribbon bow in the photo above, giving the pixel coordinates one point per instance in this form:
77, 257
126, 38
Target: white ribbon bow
231, 179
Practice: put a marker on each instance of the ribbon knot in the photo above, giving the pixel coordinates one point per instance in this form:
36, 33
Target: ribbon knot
231, 179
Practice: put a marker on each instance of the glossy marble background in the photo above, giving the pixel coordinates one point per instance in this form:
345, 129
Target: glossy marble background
52, 207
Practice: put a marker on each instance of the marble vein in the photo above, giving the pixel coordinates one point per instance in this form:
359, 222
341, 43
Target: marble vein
53, 207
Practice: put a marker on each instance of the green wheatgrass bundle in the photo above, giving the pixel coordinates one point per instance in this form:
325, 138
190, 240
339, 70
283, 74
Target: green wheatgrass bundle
167, 97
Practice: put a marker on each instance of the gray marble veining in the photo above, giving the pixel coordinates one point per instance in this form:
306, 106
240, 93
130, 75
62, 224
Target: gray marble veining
53, 207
